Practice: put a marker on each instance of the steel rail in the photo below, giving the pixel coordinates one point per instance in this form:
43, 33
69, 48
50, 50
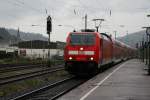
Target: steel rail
29, 94
28, 75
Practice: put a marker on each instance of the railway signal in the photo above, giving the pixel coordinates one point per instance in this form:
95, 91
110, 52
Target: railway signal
49, 25
49, 30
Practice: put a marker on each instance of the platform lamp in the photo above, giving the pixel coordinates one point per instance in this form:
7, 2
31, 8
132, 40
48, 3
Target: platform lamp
148, 44
148, 35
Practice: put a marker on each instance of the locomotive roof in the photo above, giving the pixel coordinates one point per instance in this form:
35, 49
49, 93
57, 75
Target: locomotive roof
117, 42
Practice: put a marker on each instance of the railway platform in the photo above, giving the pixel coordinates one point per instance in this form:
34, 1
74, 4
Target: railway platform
126, 81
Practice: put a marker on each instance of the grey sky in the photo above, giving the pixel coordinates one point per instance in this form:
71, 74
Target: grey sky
69, 13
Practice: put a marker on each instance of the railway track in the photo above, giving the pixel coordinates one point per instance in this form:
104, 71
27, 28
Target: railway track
51, 91
15, 78
15, 68
23, 64
48, 90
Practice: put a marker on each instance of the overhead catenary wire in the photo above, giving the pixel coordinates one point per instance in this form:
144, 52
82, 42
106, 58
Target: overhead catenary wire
13, 3
24, 5
21, 3
90, 8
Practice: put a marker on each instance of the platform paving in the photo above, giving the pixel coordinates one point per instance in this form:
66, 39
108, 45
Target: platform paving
127, 81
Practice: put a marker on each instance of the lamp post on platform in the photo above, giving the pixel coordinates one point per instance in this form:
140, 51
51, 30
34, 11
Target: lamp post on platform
148, 46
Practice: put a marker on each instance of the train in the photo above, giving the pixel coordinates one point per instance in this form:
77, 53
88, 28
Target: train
87, 51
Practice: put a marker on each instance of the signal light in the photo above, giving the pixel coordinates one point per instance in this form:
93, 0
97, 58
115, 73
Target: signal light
49, 24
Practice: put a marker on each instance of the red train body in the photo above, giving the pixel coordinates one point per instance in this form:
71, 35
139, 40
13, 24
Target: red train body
86, 52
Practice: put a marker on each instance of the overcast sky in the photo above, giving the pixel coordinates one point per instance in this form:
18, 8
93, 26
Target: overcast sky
69, 13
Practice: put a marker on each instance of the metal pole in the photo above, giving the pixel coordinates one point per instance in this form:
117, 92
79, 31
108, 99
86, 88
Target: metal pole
97, 29
148, 50
146, 47
143, 51
115, 34
31, 50
127, 38
18, 40
139, 50
148, 33
149, 55
18, 36
85, 21
49, 30
49, 62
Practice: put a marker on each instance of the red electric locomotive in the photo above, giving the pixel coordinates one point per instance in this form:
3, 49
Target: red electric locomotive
86, 52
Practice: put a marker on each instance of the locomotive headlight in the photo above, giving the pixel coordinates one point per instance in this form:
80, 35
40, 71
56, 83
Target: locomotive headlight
81, 48
91, 58
70, 58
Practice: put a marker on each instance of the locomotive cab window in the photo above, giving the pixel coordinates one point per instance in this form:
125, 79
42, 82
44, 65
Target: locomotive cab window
106, 37
82, 39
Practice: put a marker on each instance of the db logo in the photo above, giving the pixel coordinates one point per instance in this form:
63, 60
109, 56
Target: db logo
81, 52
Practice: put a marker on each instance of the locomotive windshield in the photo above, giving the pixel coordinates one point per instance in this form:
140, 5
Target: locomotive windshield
82, 39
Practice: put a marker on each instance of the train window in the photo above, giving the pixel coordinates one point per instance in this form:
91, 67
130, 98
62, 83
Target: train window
82, 39
106, 38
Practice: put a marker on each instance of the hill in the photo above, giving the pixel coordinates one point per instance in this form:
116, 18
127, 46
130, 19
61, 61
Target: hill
133, 38
9, 36
27, 36
5, 37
